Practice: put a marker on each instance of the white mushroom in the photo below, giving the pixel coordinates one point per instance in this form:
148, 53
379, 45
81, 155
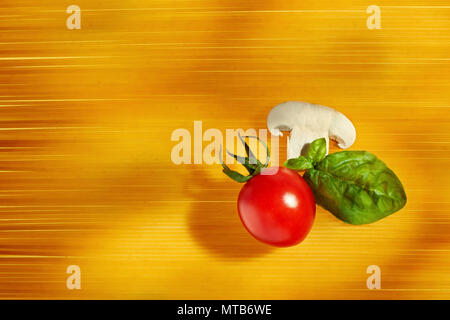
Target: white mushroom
308, 122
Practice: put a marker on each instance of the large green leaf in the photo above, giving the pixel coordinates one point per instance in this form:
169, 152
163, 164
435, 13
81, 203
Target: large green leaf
356, 187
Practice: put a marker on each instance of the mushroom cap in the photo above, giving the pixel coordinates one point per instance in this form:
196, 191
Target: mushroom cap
310, 121
287, 115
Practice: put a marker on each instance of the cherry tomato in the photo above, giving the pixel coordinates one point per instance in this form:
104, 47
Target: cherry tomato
277, 207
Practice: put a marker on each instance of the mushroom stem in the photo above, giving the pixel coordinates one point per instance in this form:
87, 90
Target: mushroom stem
299, 140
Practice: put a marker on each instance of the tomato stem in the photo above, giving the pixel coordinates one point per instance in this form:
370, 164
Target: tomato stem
250, 162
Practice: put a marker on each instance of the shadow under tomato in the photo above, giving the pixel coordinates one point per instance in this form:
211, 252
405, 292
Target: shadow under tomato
214, 222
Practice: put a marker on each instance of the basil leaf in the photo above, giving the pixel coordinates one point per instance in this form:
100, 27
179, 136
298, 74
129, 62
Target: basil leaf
300, 163
356, 187
317, 150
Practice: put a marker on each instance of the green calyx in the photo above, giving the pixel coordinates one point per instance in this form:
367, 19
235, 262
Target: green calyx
250, 162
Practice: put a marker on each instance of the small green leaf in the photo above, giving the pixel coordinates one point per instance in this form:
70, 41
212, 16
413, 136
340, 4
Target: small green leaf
317, 150
299, 164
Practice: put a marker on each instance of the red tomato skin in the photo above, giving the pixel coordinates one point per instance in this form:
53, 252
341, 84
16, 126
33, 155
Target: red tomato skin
277, 207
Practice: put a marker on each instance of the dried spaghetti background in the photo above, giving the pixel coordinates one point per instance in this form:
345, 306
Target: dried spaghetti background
85, 123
